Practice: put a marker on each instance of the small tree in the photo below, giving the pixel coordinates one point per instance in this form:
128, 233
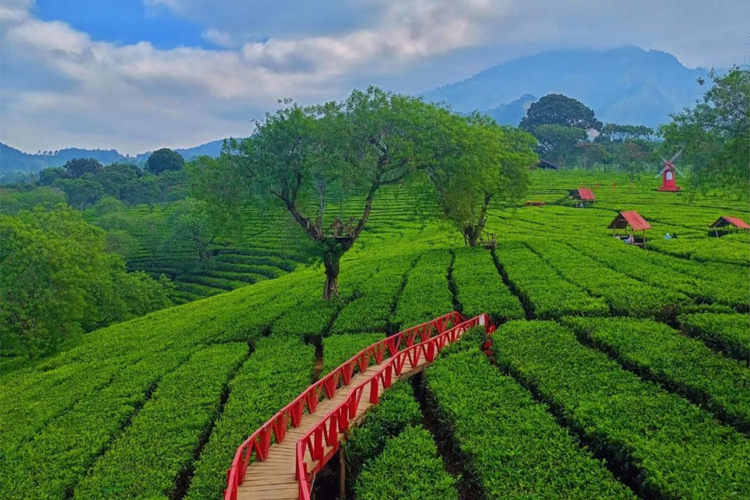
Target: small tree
48, 176
480, 163
558, 142
78, 167
299, 155
164, 159
191, 222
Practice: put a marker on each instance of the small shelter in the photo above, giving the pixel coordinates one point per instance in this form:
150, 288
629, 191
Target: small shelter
728, 224
585, 195
545, 165
626, 226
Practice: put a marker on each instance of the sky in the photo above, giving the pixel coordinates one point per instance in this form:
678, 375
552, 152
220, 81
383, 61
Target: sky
137, 75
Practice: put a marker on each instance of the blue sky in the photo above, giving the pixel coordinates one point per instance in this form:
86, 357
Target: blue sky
124, 22
141, 74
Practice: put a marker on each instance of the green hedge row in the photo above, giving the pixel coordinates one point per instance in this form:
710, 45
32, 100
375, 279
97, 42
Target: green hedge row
33, 398
160, 442
396, 411
690, 278
277, 371
409, 468
60, 413
371, 312
509, 443
727, 333
426, 295
480, 287
55, 460
544, 292
680, 363
616, 288
210, 281
242, 261
669, 447
340, 348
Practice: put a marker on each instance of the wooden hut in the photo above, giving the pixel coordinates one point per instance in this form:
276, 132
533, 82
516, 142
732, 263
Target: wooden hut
584, 195
728, 224
627, 225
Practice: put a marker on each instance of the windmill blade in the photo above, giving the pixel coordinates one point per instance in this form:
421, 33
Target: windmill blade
663, 160
679, 171
660, 172
676, 156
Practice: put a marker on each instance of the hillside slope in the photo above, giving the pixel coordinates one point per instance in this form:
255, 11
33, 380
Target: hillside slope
156, 407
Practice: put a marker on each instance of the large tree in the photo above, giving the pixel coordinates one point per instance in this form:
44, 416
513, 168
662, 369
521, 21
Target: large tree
78, 167
715, 134
479, 163
557, 109
163, 160
299, 155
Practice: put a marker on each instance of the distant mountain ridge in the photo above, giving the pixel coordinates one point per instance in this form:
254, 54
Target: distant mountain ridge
627, 85
14, 159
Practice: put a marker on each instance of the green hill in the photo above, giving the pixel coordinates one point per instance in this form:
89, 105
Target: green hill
156, 407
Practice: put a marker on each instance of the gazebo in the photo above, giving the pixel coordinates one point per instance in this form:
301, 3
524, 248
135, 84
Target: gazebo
630, 223
585, 195
729, 224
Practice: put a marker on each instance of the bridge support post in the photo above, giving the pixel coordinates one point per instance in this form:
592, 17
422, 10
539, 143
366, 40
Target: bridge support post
342, 474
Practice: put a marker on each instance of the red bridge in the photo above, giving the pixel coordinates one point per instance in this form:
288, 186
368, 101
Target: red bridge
307, 432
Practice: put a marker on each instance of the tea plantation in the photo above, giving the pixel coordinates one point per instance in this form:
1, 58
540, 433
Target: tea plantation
616, 371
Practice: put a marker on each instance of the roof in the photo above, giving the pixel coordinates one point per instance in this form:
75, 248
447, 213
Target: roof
545, 165
726, 220
632, 219
586, 194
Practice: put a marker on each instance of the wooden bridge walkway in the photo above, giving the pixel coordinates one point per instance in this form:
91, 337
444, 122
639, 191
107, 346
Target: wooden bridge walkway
275, 479
280, 460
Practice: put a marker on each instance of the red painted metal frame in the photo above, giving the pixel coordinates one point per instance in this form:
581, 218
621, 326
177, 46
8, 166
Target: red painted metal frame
259, 443
325, 433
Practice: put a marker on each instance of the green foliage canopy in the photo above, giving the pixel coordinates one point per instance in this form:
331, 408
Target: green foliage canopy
715, 135
163, 160
557, 109
58, 280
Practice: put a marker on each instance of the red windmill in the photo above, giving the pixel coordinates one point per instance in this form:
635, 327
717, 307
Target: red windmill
668, 174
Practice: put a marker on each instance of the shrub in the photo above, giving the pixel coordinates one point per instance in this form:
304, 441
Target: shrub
409, 468
671, 448
507, 442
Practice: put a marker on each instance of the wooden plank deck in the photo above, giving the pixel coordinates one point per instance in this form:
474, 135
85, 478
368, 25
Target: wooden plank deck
274, 479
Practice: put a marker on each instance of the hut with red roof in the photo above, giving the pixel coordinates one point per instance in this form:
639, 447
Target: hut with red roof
627, 225
585, 195
728, 224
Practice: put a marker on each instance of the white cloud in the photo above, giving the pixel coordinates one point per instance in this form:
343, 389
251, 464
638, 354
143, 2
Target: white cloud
136, 97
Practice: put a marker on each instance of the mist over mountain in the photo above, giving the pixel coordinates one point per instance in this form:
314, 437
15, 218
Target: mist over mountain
13, 159
626, 85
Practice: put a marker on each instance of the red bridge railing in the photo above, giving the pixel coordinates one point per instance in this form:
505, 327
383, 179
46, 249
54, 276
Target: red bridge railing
258, 444
325, 433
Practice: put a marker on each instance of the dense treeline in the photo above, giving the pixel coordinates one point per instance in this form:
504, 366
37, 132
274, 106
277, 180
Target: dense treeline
59, 279
713, 136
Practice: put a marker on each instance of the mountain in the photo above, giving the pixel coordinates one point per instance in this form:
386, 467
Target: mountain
511, 113
626, 85
11, 159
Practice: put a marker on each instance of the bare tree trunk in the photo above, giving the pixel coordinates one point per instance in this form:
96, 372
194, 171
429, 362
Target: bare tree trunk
471, 236
332, 264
